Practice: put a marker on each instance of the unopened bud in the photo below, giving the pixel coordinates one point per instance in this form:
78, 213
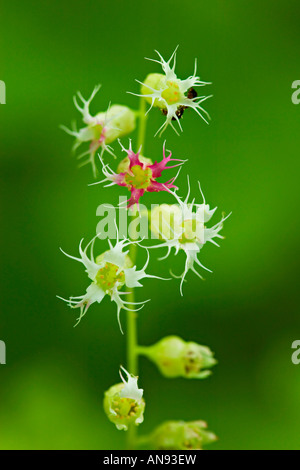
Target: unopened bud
128, 262
181, 435
177, 358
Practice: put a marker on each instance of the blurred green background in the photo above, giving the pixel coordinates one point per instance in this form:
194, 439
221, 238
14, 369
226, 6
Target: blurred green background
247, 161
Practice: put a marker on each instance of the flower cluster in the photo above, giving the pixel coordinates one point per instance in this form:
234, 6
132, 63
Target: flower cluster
183, 225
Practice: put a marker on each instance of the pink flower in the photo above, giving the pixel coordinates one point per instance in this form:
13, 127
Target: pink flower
141, 177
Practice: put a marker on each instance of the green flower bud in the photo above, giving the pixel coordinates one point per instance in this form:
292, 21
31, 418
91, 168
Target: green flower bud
177, 358
123, 166
181, 435
123, 403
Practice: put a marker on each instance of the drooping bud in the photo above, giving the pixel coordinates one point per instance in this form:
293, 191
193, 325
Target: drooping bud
177, 358
181, 435
185, 228
123, 403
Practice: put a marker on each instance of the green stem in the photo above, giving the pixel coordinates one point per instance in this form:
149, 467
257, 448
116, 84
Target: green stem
132, 342
143, 350
131, 325
142, 125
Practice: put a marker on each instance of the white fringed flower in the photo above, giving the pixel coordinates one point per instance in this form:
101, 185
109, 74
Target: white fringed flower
101, 129
109, 272
172, 95
124, 404
183, 227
